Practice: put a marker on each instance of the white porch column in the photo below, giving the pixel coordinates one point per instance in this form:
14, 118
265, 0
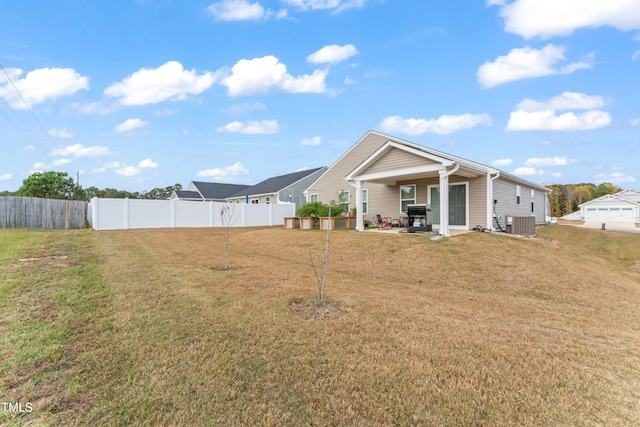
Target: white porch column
359, 214
444, 203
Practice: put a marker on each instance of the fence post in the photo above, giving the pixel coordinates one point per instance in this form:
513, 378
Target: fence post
126, 213
66, 214
270, 215
173, 213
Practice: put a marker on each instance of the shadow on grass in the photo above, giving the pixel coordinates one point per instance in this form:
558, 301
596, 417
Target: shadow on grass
310, 308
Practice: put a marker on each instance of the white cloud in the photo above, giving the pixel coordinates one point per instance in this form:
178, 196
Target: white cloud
41, 166
635, 122
335, 6
5, 177
564, 101
227, 173
129, 125
29, 147
264, 127
124, 170
128, 171
40, 85
237, 10
60, 133
636, 55
169, 81
114, 165
79, 150
549, 161
259, 76
548, 18
548, 120
527, 171
316, 140
244, 108
527, 63
534, 115
502, 162
615, 178
147, 163
443, 125
332, 54
165, 112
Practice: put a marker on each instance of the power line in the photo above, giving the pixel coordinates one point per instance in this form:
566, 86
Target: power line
26, 104
20, 119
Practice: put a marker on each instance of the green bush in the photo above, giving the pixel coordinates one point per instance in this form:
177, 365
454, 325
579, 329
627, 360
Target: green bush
318, 209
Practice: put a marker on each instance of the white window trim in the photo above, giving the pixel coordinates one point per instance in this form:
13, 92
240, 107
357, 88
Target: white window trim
365, 200
311, 197
518, 194
348, 203
415, 196
466, 213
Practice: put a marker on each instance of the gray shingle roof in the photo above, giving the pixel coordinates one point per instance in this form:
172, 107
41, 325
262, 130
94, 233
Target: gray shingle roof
184, 194
218, 191
275, 184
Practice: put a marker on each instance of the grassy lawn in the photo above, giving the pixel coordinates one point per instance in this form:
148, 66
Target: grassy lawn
141, 327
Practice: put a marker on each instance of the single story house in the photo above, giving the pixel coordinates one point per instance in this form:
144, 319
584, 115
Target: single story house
287, 188
382, 175
623, 207
207, 191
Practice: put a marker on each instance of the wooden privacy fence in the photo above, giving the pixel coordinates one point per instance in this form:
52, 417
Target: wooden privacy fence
34, 212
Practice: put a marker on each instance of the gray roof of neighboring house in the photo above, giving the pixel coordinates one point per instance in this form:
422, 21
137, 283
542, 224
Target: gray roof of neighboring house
184, 194
275, 184
215, 190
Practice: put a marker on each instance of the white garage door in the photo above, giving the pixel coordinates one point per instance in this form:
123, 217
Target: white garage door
610, 214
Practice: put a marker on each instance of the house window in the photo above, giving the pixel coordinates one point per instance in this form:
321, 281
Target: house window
267, 200
254, 201
365, 201
343, 202
313, 198
407, 196
458, 204
533, 198
518, 194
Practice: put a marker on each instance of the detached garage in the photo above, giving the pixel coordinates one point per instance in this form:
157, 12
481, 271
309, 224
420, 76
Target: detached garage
623, 207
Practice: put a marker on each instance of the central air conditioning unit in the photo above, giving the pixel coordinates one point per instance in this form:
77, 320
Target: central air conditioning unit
522, 225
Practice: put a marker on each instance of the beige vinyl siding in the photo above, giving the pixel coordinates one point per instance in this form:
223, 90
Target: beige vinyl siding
397, 159
478, 202
329, 184
504, 191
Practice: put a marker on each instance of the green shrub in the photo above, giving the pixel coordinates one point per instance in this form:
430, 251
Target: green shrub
318, 209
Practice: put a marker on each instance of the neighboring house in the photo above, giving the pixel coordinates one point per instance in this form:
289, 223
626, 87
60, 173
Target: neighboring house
287, 188
207, 191
620, 207
381, 175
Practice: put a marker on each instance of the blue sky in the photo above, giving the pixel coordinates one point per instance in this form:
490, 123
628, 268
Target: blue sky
141, 94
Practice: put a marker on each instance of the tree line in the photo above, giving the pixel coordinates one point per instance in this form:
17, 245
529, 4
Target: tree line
59, 185
566, 198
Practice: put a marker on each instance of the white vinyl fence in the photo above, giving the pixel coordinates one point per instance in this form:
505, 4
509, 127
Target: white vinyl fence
122, 214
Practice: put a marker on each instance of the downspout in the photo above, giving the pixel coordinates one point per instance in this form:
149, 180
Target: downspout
444, 200
490, 207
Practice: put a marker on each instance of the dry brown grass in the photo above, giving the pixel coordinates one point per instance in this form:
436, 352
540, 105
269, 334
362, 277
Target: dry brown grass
477, 329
